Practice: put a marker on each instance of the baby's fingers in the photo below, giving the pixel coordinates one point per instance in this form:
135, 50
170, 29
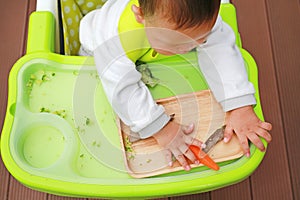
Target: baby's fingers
184, 149
188, 129
181, 159
256, 141
265, 125
244, 144
192, 141
188, 137
190, 155
264, 134
168, 156
228, 132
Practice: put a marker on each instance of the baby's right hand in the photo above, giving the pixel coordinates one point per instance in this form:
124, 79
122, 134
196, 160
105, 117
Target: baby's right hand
177, 139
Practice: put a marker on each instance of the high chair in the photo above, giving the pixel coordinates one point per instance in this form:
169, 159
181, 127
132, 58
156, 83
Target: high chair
60, 134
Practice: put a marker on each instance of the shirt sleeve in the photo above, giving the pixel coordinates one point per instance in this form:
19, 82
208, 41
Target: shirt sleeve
128, 95
223, 68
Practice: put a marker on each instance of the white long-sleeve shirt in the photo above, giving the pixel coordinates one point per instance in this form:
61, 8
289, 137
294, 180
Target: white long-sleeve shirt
219, 59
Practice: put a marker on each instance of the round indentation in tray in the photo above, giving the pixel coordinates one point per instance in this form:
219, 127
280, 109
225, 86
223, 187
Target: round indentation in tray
42, 145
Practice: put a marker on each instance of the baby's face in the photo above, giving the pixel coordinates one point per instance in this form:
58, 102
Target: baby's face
165, 40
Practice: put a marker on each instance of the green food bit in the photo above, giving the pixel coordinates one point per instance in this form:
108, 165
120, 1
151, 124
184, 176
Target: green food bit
131, 157
32, 77
75, 73
43, 109
45, 78
41, 72
149, 160
128, 145
61, 113
94, 75
29, 83
95, 144
31, 80
80, 130
87, 121
39, 77
81, 155
173, 158
38, 82
147, 76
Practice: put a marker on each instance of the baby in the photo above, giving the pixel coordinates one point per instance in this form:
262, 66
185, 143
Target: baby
125, 31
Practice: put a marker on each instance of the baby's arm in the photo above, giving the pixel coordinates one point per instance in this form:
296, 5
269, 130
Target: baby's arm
247, 126
128, 95
223, 67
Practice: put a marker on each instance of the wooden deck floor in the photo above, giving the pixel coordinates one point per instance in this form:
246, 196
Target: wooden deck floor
270, 31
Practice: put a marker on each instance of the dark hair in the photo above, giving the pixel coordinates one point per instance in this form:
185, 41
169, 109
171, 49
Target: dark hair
184, 13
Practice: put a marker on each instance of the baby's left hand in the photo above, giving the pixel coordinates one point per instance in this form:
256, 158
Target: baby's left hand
246, 125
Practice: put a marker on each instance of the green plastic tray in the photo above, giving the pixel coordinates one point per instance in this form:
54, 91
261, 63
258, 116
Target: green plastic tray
60, 134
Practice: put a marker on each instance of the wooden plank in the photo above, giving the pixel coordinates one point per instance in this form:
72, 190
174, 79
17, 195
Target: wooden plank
237, 191
285, 31
4, 181
54, 197
272, 179
31, 8
20, 192
157, 198
202, 196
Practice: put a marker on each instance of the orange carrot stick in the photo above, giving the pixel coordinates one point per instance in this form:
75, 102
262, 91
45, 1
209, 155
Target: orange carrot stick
203, 158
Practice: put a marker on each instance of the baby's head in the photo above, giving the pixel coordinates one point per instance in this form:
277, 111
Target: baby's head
176, 26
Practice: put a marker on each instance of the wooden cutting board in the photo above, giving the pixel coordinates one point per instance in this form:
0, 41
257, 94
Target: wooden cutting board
144, 158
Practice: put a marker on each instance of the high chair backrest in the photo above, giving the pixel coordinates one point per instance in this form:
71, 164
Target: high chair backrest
71, 13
